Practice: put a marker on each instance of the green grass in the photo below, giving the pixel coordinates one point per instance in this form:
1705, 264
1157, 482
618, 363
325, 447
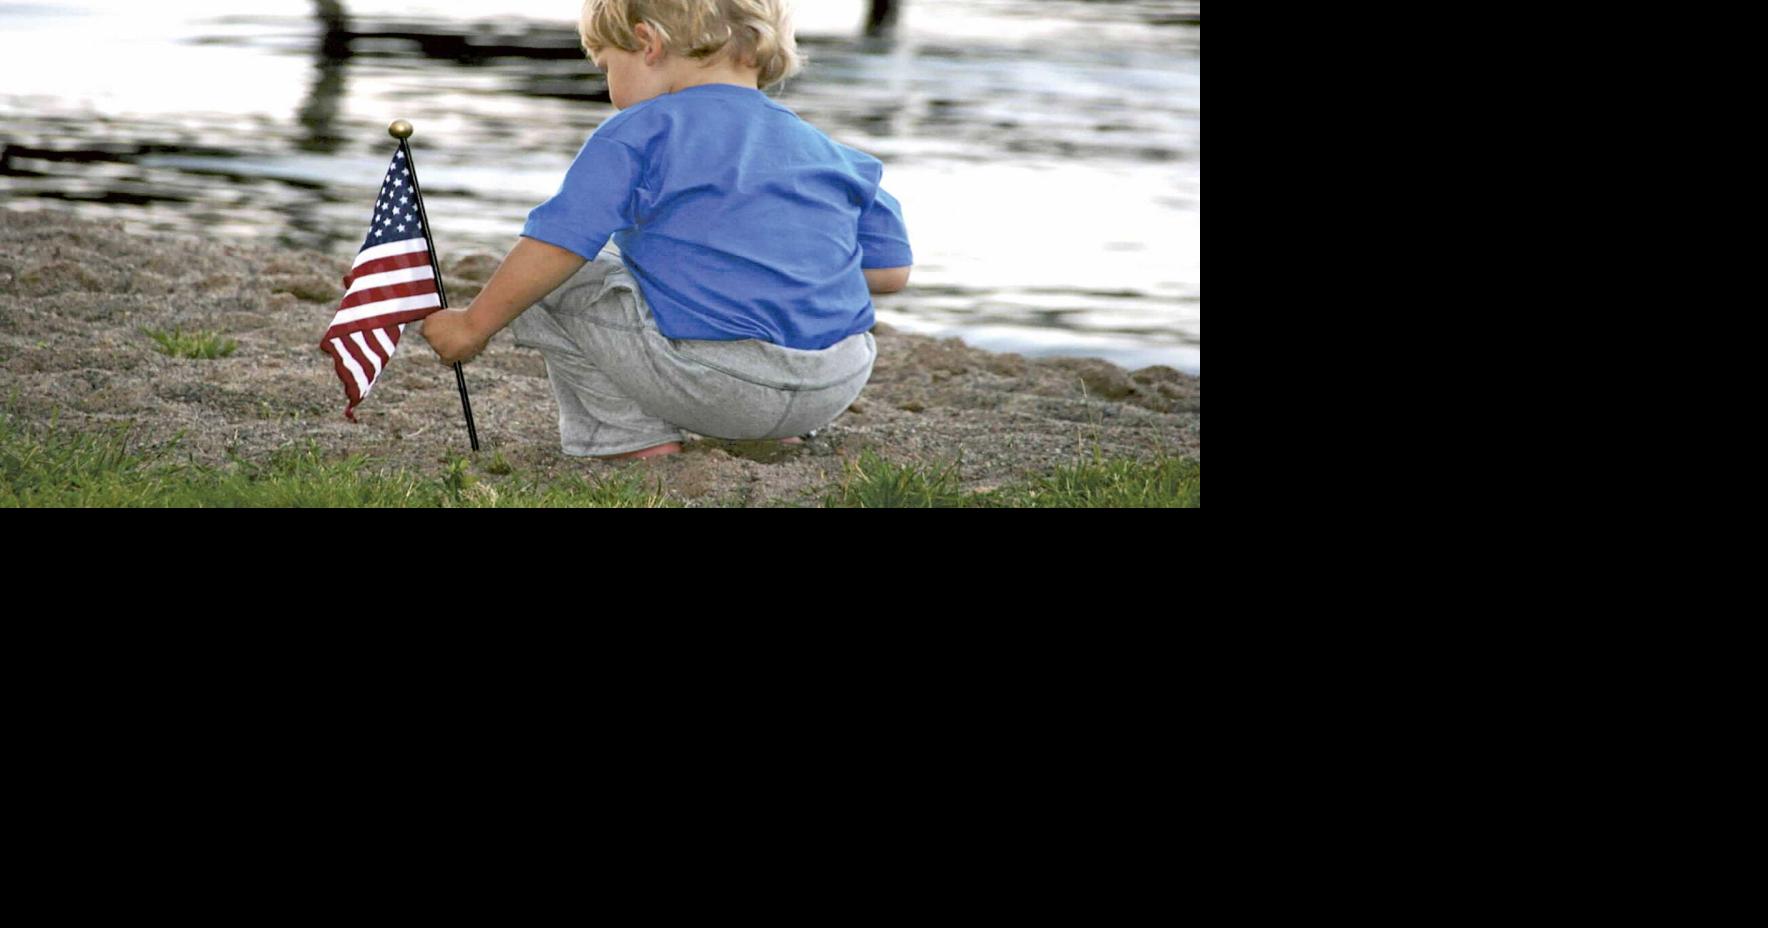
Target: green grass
53, 467
202, 345
1163, 482
873, 482
66, 469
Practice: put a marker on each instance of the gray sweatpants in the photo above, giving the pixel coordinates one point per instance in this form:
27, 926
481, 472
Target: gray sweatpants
622, 385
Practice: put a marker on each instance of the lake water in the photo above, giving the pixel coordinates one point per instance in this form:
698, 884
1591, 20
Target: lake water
1046, 152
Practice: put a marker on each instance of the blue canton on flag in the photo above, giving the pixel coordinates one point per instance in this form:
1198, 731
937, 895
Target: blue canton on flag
391, 283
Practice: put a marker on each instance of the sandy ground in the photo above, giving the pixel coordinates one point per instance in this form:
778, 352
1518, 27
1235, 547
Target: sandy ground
76, 295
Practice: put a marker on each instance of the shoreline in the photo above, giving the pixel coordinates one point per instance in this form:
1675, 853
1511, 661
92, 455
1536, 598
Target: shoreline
77, 295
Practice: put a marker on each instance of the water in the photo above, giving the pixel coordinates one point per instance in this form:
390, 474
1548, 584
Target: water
1046, 152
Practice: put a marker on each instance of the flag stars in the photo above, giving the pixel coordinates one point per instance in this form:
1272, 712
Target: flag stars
392, 215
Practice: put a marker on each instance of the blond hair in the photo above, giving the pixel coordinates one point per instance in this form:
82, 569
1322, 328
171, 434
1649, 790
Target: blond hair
757, 31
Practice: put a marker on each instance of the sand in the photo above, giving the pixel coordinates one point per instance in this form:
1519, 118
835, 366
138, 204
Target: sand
76, 297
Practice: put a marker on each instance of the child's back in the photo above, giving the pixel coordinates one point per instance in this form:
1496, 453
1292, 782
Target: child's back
738, 219
750, 243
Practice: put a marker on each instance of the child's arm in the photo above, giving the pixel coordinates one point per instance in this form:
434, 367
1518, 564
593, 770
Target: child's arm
884, 245
887, 279
529, 272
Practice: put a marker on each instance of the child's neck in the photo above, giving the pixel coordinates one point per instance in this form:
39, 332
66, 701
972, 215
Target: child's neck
691, 74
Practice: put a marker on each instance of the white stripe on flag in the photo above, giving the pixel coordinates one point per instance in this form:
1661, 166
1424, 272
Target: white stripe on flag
370, 310
389, 278
367, 352
386, 342
389, 251
362, 383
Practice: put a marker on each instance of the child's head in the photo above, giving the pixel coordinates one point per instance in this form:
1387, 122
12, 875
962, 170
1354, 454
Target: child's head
746, 35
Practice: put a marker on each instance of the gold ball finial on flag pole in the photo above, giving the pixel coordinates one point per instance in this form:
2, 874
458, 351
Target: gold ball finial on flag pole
400, 129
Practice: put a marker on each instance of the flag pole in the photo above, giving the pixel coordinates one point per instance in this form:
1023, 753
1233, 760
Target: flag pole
401, 130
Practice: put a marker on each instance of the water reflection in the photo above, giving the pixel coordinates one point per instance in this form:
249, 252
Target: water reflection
334, 29
1046, 151
319, 114
881, 18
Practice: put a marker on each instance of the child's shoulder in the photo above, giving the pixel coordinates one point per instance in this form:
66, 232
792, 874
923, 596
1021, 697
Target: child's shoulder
656, 116
648, 125
626, 123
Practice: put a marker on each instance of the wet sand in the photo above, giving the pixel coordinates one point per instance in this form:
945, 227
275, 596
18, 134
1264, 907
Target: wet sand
77, 295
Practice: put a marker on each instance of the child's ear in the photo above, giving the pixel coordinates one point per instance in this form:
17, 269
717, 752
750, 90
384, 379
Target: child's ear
650, 47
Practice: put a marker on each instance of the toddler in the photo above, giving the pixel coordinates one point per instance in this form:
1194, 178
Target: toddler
738, 304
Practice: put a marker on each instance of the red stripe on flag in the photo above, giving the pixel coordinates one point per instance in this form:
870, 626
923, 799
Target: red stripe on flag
382, 265
374, 345
389, 292
369, 368
389, 320
344, 375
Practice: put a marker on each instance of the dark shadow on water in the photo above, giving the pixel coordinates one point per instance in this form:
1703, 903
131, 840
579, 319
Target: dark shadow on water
101, 153
114, 197
466, 43
334, 26
591, 88
319, 113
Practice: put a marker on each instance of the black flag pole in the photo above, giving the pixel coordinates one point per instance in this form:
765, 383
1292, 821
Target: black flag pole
401, 130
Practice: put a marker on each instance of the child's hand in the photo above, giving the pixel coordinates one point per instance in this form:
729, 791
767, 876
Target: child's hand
452, 336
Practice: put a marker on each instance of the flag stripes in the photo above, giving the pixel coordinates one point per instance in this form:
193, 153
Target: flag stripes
391, 283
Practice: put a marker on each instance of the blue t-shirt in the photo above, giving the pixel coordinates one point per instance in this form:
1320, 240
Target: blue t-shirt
737, 218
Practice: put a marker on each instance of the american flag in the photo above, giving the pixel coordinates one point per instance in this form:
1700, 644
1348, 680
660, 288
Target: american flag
391, 284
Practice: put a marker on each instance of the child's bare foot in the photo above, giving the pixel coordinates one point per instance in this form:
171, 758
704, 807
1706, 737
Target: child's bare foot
673, 447
794, 440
